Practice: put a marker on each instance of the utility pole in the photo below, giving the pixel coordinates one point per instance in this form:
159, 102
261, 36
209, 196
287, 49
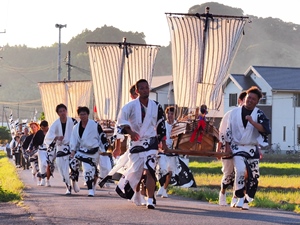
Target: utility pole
59, 26
69, 65
18, 110
2, 32
294, 126
2, 115
4, 107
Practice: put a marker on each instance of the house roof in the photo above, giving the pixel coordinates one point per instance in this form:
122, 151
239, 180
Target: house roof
158, 81
244, 81
279, 78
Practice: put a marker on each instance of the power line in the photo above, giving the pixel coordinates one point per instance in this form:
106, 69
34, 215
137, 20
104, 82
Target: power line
85, 71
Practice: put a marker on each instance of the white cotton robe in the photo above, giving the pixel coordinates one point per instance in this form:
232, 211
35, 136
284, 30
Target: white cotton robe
62, 148
90, 139
142, 152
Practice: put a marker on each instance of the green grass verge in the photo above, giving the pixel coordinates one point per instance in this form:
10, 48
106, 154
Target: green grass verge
10, 185
279, 185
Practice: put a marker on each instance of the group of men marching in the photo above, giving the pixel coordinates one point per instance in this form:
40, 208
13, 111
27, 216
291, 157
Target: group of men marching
70, 145
74, 144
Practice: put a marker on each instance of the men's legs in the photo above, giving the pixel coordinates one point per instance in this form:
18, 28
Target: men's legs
162, 171
48, 175
227, 179
150, 185
21, 158
42, 159
17, 159
90, 174
104, 166
254, 167
150, 161
63, 169
35, 169
171, 167
239, 185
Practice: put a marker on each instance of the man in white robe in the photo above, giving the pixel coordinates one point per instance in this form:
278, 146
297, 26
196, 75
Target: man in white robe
247, 127
227, 162
87, 141
143, 119
43, 158
122, 161
167, 163
59, 134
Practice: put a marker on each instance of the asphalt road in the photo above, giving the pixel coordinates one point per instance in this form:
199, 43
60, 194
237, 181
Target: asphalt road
50, 205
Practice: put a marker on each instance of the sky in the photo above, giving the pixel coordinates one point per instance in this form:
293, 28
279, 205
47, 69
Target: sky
32, 22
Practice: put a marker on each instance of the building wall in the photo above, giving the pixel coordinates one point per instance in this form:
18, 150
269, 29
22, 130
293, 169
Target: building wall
284, 114
163, 96
265, 87
231, 88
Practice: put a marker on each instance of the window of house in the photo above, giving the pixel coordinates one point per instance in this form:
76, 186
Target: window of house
233, 100
263, 99
284, 133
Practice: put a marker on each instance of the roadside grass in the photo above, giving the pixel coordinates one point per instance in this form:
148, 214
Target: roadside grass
10, 185
278, 188
279, 184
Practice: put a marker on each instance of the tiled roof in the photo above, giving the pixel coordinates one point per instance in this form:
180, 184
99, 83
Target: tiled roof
280, 78
244, 81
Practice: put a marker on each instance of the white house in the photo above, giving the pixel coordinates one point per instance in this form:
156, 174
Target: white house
162, 90
281, 101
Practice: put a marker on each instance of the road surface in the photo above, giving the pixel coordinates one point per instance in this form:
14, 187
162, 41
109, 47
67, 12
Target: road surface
50, 205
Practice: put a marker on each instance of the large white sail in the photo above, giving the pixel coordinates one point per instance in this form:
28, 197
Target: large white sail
70, 93
115, 67
203, 47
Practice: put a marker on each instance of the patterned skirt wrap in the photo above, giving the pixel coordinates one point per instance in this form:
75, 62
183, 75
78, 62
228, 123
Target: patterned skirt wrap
89, 164
246, 161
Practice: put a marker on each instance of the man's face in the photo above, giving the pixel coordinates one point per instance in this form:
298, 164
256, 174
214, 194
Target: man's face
170, 116
62, 113
143, 90
83, 116
44, 129
26, 131
251, 101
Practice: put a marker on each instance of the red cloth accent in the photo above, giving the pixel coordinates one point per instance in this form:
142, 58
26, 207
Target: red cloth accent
198, 131
95, 109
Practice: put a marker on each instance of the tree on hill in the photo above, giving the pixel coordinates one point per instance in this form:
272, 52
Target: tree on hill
4, 134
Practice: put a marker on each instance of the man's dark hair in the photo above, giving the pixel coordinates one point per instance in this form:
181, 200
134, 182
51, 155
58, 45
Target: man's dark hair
140, 81
170, 109
44, 123
255, 90
60, 106
15, 138
132, 90
242, 95
83, 109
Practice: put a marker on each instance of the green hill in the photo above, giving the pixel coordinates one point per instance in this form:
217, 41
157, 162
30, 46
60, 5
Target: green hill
267, 41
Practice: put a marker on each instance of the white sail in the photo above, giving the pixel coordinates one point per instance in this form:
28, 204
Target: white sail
70, 93
203, 47
115, 67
